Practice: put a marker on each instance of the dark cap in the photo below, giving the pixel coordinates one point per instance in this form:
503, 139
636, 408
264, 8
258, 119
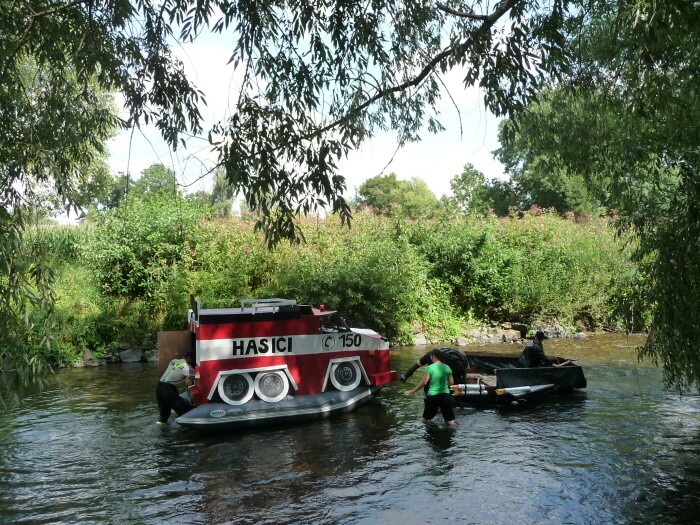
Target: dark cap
189, 353
540, 335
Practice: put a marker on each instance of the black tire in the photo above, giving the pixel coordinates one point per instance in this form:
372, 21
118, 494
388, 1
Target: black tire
236, 389
346, 375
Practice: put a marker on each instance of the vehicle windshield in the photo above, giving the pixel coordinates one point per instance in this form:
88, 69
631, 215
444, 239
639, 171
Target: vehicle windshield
333, 323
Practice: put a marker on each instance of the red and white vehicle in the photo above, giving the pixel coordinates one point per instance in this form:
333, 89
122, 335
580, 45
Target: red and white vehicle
273, 361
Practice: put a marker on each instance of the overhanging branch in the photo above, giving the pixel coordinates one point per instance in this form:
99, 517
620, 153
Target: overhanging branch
461, 14
488, 22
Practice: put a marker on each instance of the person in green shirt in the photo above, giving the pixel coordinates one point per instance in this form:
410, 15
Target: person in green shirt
440, 377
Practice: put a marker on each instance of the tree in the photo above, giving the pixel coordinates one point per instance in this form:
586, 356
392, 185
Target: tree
501, 196
318, 78
222, 195
54, 122
624, 122
114, 193
473, 193
533, 154
389, 196
155, 180
467, 189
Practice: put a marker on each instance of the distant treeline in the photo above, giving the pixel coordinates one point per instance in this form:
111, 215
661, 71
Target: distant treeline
128, 273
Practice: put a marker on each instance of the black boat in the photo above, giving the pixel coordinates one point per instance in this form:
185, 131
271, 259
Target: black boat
494, 379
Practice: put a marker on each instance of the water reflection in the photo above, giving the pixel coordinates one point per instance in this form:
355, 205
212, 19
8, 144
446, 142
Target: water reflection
440, 438
282, 470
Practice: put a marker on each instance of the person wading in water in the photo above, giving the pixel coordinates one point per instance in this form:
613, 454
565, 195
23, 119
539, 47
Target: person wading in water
179, 371
440, 377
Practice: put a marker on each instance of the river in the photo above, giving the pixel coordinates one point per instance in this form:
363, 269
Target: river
85, 449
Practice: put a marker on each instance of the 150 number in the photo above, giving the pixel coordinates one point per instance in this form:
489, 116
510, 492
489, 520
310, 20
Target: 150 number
351, 340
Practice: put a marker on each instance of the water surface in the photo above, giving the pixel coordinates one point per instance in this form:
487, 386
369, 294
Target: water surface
85, 449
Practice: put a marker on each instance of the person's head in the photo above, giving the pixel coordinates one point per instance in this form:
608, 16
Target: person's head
539, 336
436, 354
190, 357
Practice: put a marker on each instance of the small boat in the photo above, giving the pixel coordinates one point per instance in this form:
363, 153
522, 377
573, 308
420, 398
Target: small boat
273, 361
494, 379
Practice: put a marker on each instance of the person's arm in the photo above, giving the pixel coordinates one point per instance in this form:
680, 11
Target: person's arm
451, 380
408, 373
420, 385
188, 374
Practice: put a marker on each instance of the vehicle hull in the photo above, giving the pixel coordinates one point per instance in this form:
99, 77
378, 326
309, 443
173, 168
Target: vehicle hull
222, 417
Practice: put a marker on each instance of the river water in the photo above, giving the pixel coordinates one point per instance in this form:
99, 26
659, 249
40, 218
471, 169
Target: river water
85, 449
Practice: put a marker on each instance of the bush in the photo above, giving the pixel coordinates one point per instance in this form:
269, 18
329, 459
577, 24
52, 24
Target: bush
136, 249
534, 266
367, 273
131, 274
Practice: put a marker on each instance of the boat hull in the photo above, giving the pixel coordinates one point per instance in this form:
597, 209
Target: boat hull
565, 377
498, 380
222, 417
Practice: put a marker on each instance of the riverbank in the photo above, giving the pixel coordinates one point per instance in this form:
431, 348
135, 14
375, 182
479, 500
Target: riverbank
129, 274
493, 338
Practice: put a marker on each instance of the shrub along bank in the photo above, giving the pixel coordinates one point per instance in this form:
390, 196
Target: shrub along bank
128, 274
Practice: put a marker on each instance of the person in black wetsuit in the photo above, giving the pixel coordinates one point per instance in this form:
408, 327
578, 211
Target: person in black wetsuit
456, 360
533, 354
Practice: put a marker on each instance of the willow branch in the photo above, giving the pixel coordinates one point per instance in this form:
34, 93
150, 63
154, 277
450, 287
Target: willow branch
487, 24
461, 14
32, 17
57, 8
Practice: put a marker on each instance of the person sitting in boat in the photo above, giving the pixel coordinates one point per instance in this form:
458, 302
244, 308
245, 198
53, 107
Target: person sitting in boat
439, 376
533, 354
179, 371
456, 360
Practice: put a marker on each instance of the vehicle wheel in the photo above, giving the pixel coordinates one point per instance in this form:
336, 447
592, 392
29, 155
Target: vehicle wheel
236, 389
271, 386
346, 376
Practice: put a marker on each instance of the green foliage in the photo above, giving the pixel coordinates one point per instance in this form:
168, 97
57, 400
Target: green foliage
669, 256
331, 84
60, 244
222, 195
226, 262
27, 298
371, 275
439, 315
156, 180
467, 190
534, 267
306, 99
387, 195
532, 155
51, 157
621, 129
136, 250
474, 194
131, 274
